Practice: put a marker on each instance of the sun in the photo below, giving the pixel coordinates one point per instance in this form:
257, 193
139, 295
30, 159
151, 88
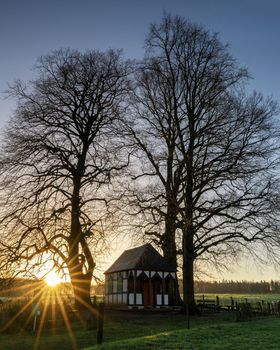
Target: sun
52, 279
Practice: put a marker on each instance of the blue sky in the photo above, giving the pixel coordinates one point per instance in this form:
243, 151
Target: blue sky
30, 28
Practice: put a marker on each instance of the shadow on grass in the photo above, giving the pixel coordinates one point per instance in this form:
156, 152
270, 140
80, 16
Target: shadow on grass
254, 335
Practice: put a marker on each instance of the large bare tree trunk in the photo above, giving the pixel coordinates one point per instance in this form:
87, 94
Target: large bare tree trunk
188, 275
81, 286
81, 279
188, 228
168, 239
168, 246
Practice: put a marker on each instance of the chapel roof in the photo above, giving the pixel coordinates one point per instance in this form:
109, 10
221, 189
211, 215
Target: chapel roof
145, 257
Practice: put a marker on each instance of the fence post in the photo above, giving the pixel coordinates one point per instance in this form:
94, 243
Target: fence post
273, 308
238, 312
268, 308
259, 307
218, 303
100, 323
232, 303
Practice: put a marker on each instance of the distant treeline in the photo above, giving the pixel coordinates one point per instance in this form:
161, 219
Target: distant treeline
25, 287
19, 287
225, 286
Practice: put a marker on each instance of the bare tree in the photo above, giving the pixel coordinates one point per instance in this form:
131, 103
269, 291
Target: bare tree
60, 151
209, 148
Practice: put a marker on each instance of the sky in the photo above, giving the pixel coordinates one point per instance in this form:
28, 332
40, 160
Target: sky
31, 28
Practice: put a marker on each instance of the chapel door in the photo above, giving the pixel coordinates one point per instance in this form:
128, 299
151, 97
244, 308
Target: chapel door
146, 293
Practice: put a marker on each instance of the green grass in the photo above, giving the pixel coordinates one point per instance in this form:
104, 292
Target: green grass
254, 335
155, 330
141, 331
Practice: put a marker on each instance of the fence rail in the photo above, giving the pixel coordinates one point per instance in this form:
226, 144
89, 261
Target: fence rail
245, 307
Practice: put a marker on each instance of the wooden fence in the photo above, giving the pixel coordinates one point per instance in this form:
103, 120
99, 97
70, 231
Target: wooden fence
244, 308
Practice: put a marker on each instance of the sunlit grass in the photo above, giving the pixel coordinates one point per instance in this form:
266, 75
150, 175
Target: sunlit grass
40, 312
134, 331
35, 300
158, 331
208, 335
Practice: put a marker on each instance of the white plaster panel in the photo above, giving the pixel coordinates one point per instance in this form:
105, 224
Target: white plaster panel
159, 299
139, 272
139, 299
165, 299
131, 298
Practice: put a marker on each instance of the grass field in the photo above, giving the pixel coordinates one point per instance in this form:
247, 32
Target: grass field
226, 298
162, 330
167, 331
254, 335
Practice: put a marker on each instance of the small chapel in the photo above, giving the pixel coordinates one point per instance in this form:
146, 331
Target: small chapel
141, 278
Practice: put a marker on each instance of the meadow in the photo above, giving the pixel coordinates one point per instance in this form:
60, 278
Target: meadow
226, 298
159, 330
226, 301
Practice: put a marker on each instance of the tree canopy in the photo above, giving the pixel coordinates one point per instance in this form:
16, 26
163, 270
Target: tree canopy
60, 151
208, 149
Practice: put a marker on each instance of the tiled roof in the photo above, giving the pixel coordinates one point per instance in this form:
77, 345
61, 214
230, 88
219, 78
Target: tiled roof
144, 257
